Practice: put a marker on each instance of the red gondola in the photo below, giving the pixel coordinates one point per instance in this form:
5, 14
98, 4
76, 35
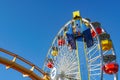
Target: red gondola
97, 27
50, 65
61, 42
110, 68
98, 30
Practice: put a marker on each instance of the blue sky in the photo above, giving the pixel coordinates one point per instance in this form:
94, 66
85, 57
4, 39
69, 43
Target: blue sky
27, 27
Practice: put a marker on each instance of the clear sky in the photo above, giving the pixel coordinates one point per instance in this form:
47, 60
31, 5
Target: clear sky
27, 27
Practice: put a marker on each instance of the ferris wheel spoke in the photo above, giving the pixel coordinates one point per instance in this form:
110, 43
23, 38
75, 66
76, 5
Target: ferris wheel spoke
71, 66
63, 51
96, 74
72, 57
71, 63
95, 69
64, 64
97, 57
67, 58
73, 77
105, 52
108, 52
69, 70
73, 60
94, 66
91, 49
90, 56
94, 78
72, 73
94, 59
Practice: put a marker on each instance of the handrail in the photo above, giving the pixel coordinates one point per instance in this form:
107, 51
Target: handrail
20, 68
24, 60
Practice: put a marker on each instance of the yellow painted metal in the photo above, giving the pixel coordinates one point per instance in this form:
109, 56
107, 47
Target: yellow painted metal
54, 52
21, 59
98, 46
86, 59
20, 68
46, 77
76, 15
87, 24
106, 44
78, 60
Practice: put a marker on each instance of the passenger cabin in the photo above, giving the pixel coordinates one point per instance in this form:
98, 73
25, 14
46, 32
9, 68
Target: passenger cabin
61, 41
98, 29
50, 63
109, 58
106, 44
65, 31
110, 68
104, 36
54, 51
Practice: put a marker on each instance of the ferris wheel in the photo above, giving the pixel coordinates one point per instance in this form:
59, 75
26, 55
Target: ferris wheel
82, 50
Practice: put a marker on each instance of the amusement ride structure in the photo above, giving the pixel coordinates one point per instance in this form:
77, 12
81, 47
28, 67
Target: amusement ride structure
82, 50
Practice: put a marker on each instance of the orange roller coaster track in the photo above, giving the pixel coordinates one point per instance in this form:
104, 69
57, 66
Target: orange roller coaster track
26, 72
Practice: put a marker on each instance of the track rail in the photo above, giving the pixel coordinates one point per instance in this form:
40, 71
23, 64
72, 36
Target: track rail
26, 72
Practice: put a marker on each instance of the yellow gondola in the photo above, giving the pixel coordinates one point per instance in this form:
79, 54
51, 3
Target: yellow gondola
106, 44
54, 53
